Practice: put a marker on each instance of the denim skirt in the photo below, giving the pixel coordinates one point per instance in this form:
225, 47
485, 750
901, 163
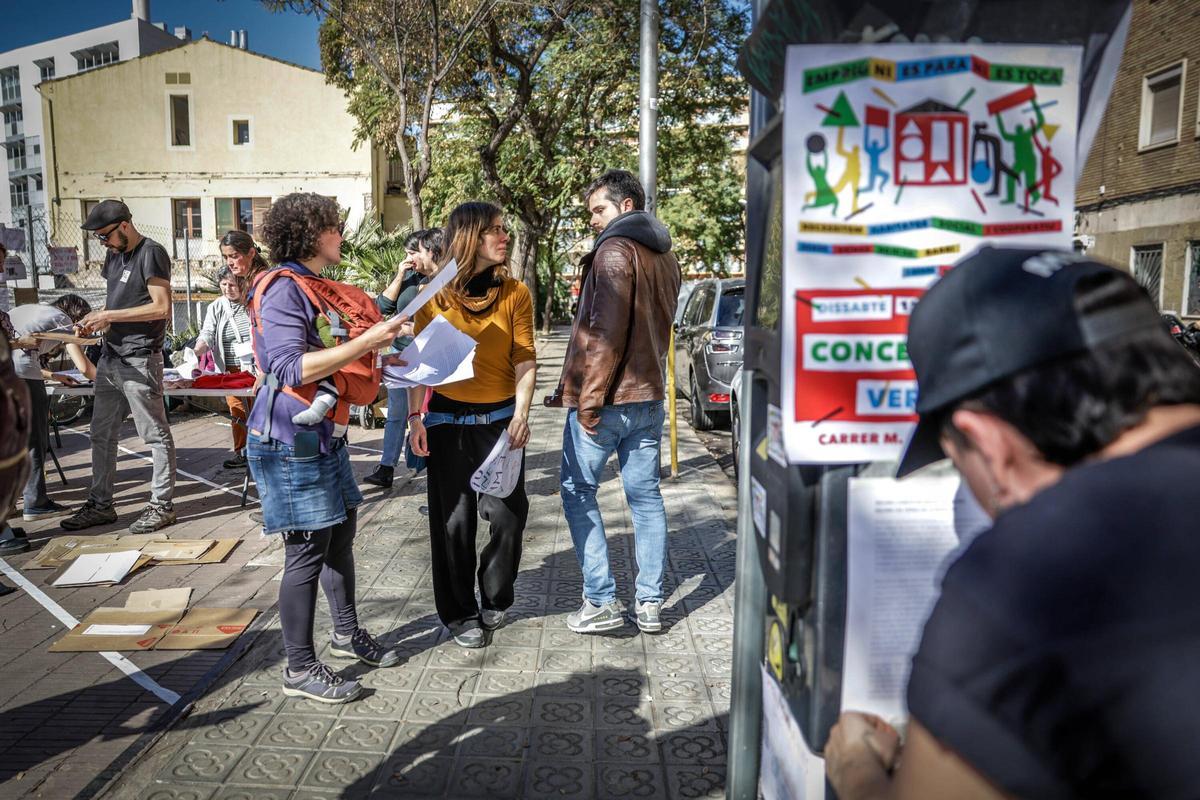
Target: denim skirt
302, 494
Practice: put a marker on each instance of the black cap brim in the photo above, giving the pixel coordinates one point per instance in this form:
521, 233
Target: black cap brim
924, 447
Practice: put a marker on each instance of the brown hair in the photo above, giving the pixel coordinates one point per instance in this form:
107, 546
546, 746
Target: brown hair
243, 243
295, 222
463, 234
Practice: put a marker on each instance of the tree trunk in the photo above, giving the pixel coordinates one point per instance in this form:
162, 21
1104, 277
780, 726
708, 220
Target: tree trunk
551, 287
524, 260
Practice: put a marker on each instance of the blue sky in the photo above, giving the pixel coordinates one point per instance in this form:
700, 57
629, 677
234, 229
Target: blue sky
291, 37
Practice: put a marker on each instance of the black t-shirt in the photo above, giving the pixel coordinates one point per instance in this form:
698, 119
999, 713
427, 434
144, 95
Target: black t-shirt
1063, 656
127, 275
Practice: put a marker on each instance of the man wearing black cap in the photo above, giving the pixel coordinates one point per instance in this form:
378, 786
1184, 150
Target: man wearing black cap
1061, 659
129, 375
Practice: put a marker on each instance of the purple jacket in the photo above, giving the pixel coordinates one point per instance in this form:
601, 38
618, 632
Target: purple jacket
288, 332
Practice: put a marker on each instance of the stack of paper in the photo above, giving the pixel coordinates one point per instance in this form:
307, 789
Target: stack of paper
440, 354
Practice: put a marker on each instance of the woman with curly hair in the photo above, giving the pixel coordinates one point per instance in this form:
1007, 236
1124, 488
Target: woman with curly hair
467, 418
424, 252
303, 473
242, 256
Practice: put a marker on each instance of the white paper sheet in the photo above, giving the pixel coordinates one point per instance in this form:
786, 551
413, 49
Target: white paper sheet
901, 537
789, 770
444, 276
116, 630
440, 354
98, 568
498, 473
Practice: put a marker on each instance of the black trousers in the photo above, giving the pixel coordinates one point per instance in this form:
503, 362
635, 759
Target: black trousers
325, 556
455, 452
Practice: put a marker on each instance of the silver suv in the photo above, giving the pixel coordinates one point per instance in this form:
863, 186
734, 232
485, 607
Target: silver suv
708, 347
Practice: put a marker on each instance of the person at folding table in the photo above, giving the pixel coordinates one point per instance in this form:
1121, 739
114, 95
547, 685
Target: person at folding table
226, 333
130, 372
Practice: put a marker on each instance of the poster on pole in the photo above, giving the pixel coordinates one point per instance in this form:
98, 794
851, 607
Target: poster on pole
899, 161
64, 260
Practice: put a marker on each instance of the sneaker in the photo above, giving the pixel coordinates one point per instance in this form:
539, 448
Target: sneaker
256, 516
89, 514
154, 518
492, 618
471, 638
50, 509
17, 544
237, 462
646, 616
320, 683
591, 618
382, 476
366, 648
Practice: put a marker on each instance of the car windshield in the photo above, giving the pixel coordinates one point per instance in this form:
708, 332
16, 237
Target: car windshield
729, 313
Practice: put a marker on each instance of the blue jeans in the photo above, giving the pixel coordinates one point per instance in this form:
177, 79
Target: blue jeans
634, 432
302, 494
393, 431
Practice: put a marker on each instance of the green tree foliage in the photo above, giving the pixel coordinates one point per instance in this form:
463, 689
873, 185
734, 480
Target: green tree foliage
537, 100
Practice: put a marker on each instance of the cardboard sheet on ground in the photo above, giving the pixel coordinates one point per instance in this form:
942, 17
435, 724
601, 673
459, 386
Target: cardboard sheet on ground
440, 354
94, 568
498, 473
61, 549
439, 282
156, 619
207, 629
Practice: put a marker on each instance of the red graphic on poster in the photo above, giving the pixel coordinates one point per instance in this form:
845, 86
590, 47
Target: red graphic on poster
931, 140
827, 385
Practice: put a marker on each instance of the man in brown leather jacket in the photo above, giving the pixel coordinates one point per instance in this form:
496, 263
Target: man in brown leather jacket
612, 382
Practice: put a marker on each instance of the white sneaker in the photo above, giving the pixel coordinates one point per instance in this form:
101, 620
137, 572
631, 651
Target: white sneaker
594, 619
492, 619
646, 615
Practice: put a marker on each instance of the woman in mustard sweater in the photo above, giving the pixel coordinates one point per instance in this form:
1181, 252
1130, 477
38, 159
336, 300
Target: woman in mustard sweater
465, 420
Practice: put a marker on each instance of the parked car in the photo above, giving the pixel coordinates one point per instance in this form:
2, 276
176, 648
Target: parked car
735, 420
685, 292
708, 347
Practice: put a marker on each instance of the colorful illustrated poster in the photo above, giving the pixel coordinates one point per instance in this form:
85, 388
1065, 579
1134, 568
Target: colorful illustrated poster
900, 160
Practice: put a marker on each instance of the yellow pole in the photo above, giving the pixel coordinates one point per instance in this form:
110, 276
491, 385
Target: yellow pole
671, 405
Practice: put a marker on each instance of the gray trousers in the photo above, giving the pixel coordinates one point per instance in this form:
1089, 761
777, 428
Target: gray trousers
39, 443
123, 385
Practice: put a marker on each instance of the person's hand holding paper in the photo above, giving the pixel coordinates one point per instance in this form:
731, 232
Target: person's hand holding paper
499, 472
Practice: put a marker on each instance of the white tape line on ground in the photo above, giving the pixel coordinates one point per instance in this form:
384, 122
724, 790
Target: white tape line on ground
235, 492
116, 659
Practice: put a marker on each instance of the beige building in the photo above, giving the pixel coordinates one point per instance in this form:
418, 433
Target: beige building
1138, 198
198, 140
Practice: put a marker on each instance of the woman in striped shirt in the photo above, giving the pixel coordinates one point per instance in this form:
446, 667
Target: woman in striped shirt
226, 332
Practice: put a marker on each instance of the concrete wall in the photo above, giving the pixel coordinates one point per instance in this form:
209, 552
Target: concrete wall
1173, 222
301, 137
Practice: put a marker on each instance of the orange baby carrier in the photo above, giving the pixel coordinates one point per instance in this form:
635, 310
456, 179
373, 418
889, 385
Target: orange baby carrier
349, 311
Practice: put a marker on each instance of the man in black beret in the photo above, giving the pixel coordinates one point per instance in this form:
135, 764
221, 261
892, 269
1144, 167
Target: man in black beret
130, 372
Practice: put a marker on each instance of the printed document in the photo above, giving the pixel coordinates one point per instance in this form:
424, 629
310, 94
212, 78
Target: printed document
98, 568
440, 354
901, 537
427, 292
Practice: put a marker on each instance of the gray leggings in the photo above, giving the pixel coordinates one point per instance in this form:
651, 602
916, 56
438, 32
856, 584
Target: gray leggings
327, 556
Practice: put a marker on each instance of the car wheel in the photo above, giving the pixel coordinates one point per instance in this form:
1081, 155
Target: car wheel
701, 419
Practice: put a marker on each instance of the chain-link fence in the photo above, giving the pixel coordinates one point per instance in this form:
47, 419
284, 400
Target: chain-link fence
60, 258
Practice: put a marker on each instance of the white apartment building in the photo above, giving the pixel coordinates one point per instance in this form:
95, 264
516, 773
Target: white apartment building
22, 69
